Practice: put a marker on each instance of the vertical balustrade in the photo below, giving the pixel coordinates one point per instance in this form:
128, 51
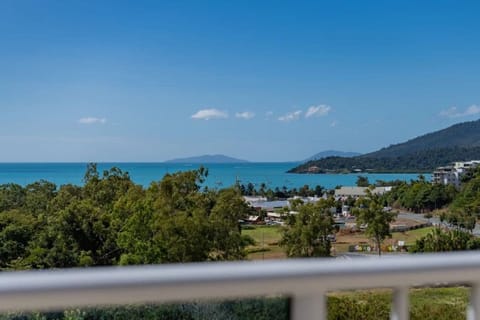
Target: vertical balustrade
309, 307
473, 311
306, 281
400, 303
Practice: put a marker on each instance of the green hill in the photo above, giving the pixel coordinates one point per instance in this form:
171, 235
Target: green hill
332, 153
459, 142
466, 135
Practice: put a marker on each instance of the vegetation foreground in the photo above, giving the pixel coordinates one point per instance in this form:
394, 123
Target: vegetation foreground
111, 221
426, 304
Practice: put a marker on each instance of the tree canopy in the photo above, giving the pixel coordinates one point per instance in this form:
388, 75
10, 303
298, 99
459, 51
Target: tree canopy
439, 240
110, 220
307, 233
374, 219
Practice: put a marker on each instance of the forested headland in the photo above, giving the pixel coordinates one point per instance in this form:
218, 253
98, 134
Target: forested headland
460, 142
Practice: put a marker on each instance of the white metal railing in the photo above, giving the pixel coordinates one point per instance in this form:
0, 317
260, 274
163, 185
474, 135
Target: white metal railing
306, 281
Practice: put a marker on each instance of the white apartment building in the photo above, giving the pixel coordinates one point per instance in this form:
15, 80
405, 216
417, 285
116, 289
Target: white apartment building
453, 174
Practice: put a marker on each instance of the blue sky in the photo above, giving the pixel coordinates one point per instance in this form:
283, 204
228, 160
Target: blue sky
258, 80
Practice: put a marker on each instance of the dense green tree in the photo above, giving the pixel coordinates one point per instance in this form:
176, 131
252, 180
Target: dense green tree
319, 191
228, 242
16, 231
465, 208
110, 220
12, 196
106, 189
362, 181
251, 189
420, 196
263, 189
461, 218
307, 232
374, 219
279, 193
176, 222
38, 196
439, 240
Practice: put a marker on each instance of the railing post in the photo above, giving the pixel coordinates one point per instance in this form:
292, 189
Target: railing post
473, 311
400, 309
309, 307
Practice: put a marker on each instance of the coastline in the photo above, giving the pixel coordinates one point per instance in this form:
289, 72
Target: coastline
273, 174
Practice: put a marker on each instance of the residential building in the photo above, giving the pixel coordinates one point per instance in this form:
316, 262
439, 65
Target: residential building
452, 174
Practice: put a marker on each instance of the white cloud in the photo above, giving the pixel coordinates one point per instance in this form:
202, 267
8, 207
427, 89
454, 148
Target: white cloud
450, 112
333, 124
209, 114
245, 115
473, 109
92, 120
453, 112
318, 111
291, 116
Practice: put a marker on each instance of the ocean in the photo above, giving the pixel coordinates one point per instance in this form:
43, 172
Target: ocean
220, 175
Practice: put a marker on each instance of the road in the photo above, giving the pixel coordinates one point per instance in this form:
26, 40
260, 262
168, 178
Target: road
358, 255
434, 220
354, 256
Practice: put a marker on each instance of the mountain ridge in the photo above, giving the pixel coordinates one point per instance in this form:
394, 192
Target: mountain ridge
459, 142
464, 134
331, 153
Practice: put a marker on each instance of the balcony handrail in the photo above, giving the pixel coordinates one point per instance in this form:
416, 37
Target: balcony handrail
305, 280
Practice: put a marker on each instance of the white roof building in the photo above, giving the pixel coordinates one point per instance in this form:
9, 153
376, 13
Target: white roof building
356, 192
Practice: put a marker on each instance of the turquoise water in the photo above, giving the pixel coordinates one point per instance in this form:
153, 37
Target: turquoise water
220, 175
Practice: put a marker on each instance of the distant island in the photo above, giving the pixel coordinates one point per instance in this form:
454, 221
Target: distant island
209, 158
460, 142
331, 153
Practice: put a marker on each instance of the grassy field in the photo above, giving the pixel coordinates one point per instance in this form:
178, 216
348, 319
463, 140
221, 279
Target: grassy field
264, 234
266, 242
411, 236
267, 237
425, 303
408, 236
